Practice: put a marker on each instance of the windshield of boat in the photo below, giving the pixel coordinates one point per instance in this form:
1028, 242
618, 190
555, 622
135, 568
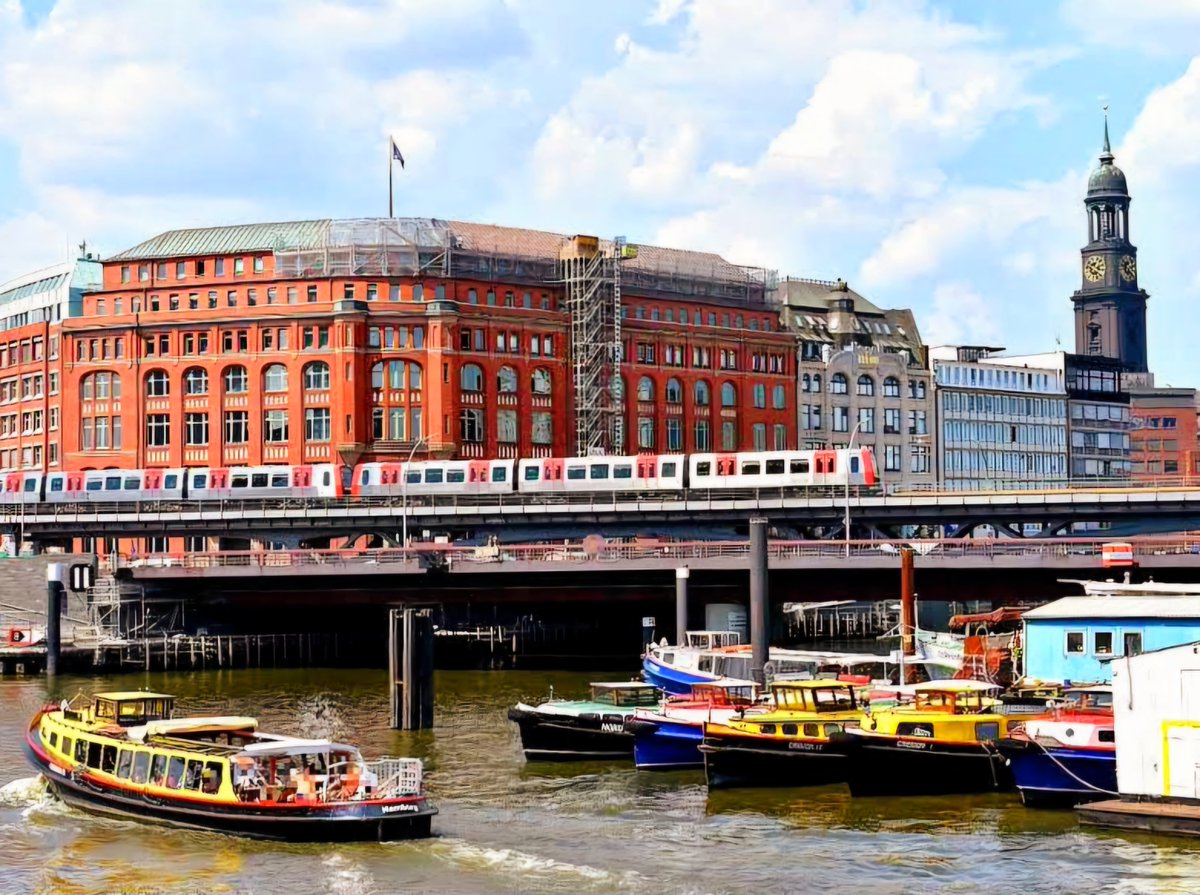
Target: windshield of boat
958, 702
1089, 699
625, 695
814, 699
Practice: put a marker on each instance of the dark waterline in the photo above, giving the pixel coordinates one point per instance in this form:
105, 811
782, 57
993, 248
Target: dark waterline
509, 826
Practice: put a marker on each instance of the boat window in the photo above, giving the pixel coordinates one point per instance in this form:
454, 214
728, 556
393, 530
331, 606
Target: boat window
798, 467
211, 779
1107, 736
141, 764
108, 760
81, 748
53, 739
598, 471
94, 751
433, 476
812, 730
831, 729
703, 469
789, 730
576, 472
914, 729
623, 472
171, 482
668, 658
259, 480
279, 480
66, 746
667, 471
499, 474
240, 481
455, 475
158, 770
750, 468
124, 763
200, 481
705, 663
532, 473
195, 769
987, 731
175, 772
766, 728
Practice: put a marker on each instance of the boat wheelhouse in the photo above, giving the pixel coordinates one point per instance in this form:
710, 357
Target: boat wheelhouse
789, 744
125, 755
668, 738
592, 728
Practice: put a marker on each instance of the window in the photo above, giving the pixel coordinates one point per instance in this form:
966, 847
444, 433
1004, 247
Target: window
838, 384
891, 387
778, 397
316, 378
158, 430
701, 394
645, 432
157, 384
760, 399
542, 428
1074, 642
506, 426
916, 422
506, 381
258, 263
841, 419
674, 434
237, 427
316, 424
1133, 643
195, 381
759, 434
891, 458
471, 378
275, 378
236, 380
541, 381
674, 394
275, 426
470, 425
866, 385
702, 435
891, 421
729, 440
645, 390
866, 419
219, 267
728, 394
195, 427
1102, 643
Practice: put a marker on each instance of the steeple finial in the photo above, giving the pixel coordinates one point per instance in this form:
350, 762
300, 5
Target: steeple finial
1106, 154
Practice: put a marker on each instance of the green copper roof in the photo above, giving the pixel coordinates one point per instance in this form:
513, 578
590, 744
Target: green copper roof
229, 240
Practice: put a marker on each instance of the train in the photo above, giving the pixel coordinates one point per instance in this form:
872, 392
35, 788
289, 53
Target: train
647, 473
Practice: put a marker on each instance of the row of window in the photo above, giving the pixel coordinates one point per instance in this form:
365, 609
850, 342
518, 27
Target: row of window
169, 771
472, 429
979, 461
839, 384
26, 387
995, 377
198, 266
702, 393
916, 420
236, 379
236, 425
28, 457
647, 435
471, 379
1042, 436
674, 355
27, 423
26, 351
1159, 422
395, 337
1102, 643
698, 317
1008, 405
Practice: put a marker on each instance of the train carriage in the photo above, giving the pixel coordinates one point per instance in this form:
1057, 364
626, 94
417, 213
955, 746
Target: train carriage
782, 469
316, 480
557, 475
113, 485
432, 477
20, 487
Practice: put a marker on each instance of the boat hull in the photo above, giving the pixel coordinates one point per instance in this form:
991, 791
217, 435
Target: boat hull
552, 737
1060, 777
672, 680
381, 821
665, 745
901, 766
734, 761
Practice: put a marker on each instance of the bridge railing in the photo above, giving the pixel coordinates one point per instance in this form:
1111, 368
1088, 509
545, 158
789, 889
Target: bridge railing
577, 553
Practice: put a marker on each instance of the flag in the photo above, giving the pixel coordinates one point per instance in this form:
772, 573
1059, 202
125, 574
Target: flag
396, 156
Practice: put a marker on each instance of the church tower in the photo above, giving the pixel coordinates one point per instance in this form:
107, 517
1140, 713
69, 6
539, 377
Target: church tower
1110, 309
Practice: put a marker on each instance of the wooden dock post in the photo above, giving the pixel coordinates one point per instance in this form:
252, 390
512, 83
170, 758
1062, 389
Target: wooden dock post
410, 668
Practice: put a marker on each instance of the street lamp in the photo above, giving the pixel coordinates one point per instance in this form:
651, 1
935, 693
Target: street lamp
404, 492
849, 449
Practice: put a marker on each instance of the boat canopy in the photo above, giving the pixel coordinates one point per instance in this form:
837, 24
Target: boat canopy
954, 686
191, 725
281, 745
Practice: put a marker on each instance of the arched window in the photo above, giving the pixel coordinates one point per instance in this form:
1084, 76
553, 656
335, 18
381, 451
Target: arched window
618, 387
838, 384
275, 378
891, 387
645, 389
866, 385
236, 380
316, 376
674, 391
100, 387
506, 381
816, 382
541, 381
470, 378
805, 383
157, 384
728, 394
195, 381
702, 394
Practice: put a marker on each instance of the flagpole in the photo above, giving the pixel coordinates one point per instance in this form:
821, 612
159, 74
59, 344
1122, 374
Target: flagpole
390, 166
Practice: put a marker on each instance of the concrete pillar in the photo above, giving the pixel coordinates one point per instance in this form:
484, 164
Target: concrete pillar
681, 605
55, 594
759, 614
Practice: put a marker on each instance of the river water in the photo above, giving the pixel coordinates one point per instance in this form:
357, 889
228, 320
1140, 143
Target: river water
508, 826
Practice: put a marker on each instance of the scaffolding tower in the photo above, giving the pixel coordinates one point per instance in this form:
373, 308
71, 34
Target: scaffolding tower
592, 281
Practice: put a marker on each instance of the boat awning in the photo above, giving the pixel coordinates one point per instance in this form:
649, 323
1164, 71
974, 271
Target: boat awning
955, 686
294, 746
191, 725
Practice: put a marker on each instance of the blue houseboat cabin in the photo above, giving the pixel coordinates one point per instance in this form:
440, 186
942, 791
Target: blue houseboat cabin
1076, 638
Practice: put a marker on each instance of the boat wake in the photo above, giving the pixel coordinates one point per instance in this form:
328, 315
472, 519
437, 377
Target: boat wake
26, 792
347, 877
466, 856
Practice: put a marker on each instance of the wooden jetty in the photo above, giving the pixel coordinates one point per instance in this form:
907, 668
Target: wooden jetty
1145, 816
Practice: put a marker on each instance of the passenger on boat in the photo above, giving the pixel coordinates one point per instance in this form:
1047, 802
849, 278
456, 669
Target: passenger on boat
349, 783
306, 785
211, 782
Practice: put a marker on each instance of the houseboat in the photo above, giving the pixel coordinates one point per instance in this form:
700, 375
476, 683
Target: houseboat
1068, 755
943, 742
592, 728
125, 755
668, 738
789, 744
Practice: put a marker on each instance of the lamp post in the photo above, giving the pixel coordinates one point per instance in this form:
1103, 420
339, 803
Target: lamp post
849, 448
404, 493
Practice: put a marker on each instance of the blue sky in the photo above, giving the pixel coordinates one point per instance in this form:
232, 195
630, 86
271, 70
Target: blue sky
934, 154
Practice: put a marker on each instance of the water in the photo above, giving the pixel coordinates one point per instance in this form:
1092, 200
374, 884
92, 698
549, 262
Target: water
508, 826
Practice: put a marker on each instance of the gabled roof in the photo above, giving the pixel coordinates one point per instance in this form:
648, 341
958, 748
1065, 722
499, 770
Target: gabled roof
1176, 606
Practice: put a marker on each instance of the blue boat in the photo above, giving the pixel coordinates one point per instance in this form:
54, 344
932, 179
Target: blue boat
676, 669
669, 738
1067, 756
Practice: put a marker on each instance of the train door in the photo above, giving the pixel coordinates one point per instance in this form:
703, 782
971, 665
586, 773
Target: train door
152, 480
218, 480
477, 475
726, 469
647, 471
302, 479
12, 486
552, 474
825, 468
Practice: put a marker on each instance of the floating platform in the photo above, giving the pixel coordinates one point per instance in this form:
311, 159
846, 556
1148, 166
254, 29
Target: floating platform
1182, 818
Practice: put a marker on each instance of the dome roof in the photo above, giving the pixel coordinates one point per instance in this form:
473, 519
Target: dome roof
1107, 178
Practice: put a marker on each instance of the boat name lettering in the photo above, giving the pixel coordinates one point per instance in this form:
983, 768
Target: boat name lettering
805, 747
612, 727
910, 744
396, 809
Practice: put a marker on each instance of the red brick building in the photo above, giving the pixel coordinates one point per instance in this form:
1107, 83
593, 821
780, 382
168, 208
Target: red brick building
1163, 439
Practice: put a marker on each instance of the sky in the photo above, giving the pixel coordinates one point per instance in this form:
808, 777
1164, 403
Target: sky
933, 154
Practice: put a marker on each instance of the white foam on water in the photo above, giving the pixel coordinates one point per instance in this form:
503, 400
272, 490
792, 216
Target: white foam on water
25, 792
347, 877
512, 861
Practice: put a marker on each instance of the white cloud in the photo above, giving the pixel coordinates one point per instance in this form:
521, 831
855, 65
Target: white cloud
959, 315
1156, 26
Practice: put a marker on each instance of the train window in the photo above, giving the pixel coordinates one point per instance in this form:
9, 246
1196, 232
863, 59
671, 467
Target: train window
240, 481
434, 476
56, 484
624, 471
704, 469
279, 480
365, 478
774, 467
750, 468
668, 469
132, 483
499, 474
30, 485
599, 471
799, 467
171, 482
258, 480
831, 464
199, 481
326, 478
347, 477
532, 473
854, 464
112, 483
413, 478
455, 475
576, 472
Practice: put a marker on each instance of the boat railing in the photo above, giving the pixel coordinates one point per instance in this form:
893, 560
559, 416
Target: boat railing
397, 777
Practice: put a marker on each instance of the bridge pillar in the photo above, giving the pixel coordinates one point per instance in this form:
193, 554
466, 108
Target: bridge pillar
759, 617
681, 605
55, 591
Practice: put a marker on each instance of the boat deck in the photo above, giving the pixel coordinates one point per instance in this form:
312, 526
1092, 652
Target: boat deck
1151, 817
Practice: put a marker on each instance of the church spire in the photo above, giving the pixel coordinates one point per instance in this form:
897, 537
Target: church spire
1106, 155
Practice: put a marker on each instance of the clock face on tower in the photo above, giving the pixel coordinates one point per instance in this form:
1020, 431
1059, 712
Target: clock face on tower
1128, 269
1093, 268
